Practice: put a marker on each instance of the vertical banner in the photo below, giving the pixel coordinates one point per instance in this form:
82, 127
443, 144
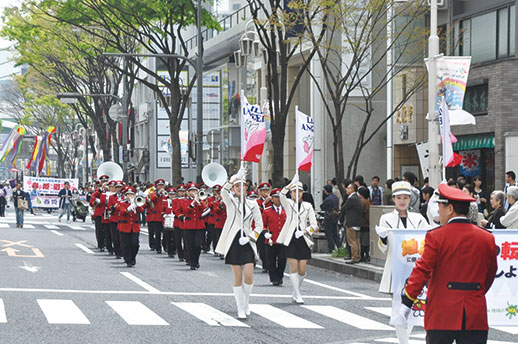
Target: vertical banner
423, 153
502, 297
304, 137
452, 77
444, 122
470, 164
253, 131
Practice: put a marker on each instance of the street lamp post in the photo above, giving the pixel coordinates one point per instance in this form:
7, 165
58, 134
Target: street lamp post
433, 128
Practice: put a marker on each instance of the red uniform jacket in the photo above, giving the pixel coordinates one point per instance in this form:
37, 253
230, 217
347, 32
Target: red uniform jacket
210, 218
220, 214
193, 214
178, 211
154, 214
273, 222
98, 208
128, 220
263, 205
113, 206
459, 262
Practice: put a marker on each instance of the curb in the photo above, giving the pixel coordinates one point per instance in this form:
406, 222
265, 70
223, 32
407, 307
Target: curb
366, 271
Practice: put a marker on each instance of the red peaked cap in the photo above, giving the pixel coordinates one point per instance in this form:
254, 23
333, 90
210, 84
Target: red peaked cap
448, 193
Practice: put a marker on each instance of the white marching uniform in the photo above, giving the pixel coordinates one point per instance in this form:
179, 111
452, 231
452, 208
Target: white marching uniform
393, 221
308, 221
233, 222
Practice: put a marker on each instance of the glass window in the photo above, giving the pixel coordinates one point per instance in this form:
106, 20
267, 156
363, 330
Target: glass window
483, 31
503, 32
512, 30
456, 38
465, 44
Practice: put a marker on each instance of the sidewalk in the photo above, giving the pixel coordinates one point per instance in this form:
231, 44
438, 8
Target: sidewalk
362, 270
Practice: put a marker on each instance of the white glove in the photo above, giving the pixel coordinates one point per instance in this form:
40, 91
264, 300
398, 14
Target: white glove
295, 179
401, 318
382, 231
132, 208
241, 173
98, 201
243, 241
268, 235
298, 234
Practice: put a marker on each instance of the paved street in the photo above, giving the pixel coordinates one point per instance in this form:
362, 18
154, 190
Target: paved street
57, 288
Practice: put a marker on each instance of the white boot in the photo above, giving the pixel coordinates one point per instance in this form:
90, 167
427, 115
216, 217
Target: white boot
402, 334
294, 278
240, 300
247, 289
301, 279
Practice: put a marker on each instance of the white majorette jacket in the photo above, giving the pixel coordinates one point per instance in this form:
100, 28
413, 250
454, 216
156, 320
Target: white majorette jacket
233, 222
308, 221
393, 221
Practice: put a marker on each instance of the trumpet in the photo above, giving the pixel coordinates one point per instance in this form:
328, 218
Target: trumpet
202, 195
140, 201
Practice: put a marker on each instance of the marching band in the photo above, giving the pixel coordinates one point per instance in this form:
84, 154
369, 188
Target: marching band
241, 226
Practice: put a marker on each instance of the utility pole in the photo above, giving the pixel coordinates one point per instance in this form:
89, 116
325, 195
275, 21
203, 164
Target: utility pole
433, 126
124, 119
199, 98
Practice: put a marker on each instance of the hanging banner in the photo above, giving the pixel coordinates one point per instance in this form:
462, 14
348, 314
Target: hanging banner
423, 153
444, 122
502, 297
304, 137
14, 136
253, 131
45, 201
452, 77
470, 164
48, 186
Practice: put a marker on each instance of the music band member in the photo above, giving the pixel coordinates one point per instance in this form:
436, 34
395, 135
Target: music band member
194, 224
264, 202
95, 202
274, 218
168, 223
105, 198
240, 253
129, 227
154, 218
219, 213
299, 226
113, 206
178, 203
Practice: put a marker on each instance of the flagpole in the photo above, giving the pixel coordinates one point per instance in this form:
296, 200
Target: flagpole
296, 167
240, 168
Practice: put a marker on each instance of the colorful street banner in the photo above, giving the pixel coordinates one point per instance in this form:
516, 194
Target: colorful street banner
45, 201
48, 186
253, 131
424, 153
304, 138
14, 136
502, 297
452, 77
470, 165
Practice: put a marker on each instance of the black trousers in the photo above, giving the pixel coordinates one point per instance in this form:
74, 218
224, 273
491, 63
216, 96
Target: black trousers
193, 239
99, 232
108, 237
185, 248
208, 236
461, 337
331, 235
169, 241
215, 239
130, 244
261, 250
177, 234
2, 209
154, 231
116, 239
276, 261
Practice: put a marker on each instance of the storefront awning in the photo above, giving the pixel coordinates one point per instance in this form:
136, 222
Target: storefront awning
474, 142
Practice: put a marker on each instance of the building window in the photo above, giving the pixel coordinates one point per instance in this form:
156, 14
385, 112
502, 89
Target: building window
483, 33
512, 29
476, 99
465, 34
503, 32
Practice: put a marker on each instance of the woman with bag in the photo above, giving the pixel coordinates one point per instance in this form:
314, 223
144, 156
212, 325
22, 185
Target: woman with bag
235, 244
21, 203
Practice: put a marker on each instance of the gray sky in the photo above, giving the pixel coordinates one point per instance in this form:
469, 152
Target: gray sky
6, 67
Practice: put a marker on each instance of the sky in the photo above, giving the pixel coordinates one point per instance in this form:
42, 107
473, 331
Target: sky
6, 67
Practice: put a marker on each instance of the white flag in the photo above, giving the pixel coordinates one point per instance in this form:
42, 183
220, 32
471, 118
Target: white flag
444, 120
304, 137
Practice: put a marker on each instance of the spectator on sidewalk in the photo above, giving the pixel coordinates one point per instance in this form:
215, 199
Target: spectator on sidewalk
415, 197
510, 180
337, 193
510, 219
480, 194
387, 194
3, 199
497, 203
353, 220
427, 193
307, 197
330, 207
376, 191
364, 227
65, 195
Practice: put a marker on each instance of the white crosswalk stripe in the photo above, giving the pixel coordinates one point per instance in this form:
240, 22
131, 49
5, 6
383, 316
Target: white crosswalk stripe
62, 312
51, 227
282, 317
349, 318
382, 310
135, 313
208, 314
77, 228
4, 225
3, 317
29, 226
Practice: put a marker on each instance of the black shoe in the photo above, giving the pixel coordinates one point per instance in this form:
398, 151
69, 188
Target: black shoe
170, 255
117, 257
159, 251
265, 271
102, 249
367, 259
193, 268
275, 282
111, 253
151, 248
351, 262
181, 259
187, 263
129, 265
280, 281
198, 266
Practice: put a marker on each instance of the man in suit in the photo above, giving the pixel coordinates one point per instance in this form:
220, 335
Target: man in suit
330, 206
459, 264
